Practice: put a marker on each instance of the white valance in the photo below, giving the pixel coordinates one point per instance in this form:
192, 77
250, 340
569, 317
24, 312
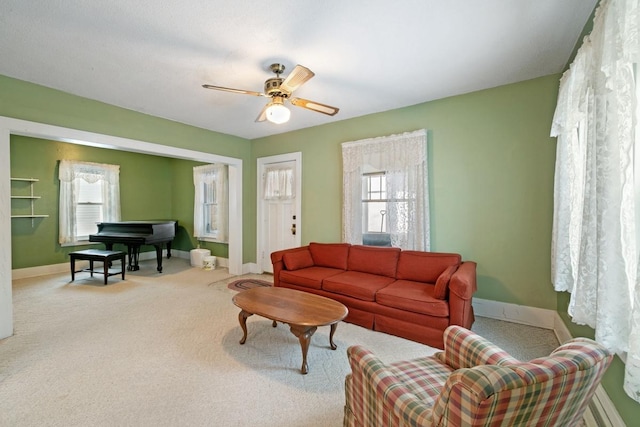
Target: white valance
279, 183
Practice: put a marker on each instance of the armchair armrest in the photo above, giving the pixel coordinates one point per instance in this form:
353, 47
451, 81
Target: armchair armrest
465, 349
377, 396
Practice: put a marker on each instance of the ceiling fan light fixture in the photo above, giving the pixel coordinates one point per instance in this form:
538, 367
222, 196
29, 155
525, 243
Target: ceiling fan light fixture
276, 112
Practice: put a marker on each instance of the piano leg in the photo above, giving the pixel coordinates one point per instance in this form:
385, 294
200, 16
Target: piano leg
168, 250
159, 256
134, 253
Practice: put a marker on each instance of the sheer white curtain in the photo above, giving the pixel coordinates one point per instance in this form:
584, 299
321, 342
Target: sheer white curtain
403, 158
69, 174
279, 183
211, 201
594, 246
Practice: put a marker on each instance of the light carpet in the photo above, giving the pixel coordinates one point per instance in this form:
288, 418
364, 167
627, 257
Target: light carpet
163, 350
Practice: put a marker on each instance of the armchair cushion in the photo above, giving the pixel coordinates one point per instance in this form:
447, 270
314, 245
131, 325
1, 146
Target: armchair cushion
465, 349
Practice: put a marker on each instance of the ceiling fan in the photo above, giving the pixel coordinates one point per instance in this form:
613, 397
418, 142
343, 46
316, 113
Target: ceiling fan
279, 89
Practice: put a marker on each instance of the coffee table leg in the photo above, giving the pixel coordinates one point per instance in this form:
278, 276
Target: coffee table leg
303, 333
242, 317
334, 326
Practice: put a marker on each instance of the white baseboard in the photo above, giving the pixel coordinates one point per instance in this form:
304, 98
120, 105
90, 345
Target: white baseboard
561, 330
526, 315
43, 270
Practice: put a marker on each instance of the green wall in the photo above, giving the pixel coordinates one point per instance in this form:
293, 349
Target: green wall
151, 187
27, 101
491, 164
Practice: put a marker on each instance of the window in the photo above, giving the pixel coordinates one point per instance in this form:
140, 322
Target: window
385, 191
88, 208
211, 206
89, 193
374, 202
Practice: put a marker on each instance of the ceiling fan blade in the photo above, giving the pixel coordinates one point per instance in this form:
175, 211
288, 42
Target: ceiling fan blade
315, 106
228, 89
263, 114
296, 78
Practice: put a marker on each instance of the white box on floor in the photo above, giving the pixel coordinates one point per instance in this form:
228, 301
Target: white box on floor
209, 263
197, 257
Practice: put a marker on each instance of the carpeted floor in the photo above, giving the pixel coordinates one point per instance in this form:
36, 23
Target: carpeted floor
163, 350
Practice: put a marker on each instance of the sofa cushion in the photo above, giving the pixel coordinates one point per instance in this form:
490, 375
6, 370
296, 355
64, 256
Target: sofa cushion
442, 284
296, 260
362, 286
374, 260
413, 296
310, 277
332, 255
424, 266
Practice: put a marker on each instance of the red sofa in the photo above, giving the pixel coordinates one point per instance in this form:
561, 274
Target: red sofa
411, 294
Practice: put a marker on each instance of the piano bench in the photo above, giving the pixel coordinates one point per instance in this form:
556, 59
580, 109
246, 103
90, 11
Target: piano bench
91, 255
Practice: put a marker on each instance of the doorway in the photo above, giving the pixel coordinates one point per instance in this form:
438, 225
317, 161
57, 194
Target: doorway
9, 126
279, 206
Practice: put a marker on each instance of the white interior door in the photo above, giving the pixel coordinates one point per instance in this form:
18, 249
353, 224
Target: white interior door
278, 216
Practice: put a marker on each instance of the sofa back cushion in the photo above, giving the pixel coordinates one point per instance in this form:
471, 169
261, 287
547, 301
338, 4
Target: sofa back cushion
424, 266
295, 260
332, 255
381, 261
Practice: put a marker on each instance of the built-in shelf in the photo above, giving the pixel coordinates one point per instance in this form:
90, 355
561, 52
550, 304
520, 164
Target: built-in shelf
31, 197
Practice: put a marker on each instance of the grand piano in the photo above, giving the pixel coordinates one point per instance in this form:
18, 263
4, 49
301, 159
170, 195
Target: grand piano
135, 234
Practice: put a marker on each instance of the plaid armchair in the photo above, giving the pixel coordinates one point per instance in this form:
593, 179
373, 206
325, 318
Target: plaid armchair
474, 383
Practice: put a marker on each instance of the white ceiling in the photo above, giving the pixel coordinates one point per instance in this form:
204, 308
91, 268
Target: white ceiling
153, 56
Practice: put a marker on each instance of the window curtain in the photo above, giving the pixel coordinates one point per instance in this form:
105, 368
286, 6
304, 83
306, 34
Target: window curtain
594, 240
279, 183
69, 172
216, 176
404, 159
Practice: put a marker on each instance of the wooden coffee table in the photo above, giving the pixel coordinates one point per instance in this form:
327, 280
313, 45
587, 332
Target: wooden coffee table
302, 311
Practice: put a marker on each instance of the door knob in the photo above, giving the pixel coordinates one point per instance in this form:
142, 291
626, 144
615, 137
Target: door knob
293, 229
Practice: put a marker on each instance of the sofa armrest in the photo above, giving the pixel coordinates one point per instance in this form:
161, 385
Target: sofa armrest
462, 286
376, 396
465, 349
463, 282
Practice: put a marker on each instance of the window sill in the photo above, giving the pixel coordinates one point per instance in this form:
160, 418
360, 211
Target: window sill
210, 239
